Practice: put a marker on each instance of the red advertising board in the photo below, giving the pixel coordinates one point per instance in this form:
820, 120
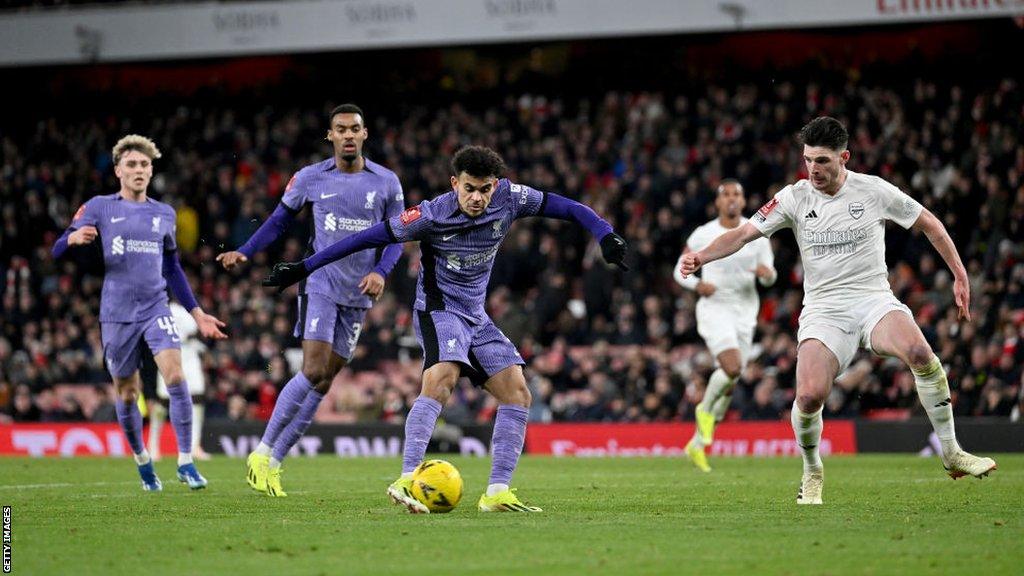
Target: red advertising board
731, 439
84, 439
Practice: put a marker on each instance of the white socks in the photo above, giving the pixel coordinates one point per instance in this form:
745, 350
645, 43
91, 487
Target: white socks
184, 458
262, 449
807, 428
142, 457
719, 384
933, 391
275, 463
493, 489
198, 411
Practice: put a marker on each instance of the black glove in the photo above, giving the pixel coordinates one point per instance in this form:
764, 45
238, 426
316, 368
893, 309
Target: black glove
613, 249
284, 274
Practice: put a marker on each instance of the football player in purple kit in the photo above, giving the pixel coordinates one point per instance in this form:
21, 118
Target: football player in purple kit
459, 233
347, 193
141, 262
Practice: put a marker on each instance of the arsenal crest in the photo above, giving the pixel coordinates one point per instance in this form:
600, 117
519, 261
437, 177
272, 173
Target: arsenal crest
856, 210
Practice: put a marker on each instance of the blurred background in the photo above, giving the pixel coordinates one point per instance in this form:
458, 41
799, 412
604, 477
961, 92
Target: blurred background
640, 117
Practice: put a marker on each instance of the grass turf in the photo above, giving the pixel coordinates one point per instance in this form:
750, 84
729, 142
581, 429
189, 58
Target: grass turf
882, 515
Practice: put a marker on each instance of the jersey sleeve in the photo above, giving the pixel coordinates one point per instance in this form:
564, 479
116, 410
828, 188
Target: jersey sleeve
413, 223
394, 204
295, 192
171, 237
525, 201
696, 241
88, 214
776, 214
898, 206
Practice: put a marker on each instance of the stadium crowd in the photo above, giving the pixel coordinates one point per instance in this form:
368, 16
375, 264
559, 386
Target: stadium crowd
600, 345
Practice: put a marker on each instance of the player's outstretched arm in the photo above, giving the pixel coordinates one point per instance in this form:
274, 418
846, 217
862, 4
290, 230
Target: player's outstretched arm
943, 243
284, 274
726, 244
208, 325
613, 246
264, 236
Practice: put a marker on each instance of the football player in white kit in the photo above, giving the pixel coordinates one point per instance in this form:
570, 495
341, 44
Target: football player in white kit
838, 217
727, 309
192, 367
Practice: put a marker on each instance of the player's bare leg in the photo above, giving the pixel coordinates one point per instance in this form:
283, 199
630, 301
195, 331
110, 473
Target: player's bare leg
896, 334
438, 382
128, 415
509, 388
714, 405
816, 368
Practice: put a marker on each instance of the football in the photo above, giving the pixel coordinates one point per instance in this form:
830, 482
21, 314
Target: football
438, 485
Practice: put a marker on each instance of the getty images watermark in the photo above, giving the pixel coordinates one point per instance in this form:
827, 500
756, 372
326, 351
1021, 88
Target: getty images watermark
7, 539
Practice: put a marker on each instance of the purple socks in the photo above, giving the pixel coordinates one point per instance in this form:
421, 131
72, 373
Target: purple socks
130, 418
298, 424
181, 415
288, 403
507, 442
419, 426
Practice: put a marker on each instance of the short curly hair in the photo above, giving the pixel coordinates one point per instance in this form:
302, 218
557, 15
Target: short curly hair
137, 143
478, 161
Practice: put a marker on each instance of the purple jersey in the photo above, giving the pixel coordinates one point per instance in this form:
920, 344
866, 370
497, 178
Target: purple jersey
458, 251
344, 204
134, 236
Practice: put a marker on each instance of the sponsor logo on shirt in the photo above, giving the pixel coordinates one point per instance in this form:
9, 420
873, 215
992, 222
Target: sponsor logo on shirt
410, 215
856, 210
834, 242
119, 245
369, 199
334, 223
523, 192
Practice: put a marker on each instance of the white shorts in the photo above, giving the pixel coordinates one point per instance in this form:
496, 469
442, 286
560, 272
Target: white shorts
726, 327
192, 370
847, 327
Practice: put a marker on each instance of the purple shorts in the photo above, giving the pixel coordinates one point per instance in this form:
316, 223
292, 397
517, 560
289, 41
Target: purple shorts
122, 342
482, 349
322, 320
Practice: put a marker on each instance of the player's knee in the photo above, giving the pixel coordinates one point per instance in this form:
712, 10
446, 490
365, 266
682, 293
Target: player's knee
128, 394
438, 390
809, 403
319, 375
174, 376
919, 356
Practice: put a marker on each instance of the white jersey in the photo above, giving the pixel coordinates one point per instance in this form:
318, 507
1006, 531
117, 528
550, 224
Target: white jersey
841, 237
732, 276
191, 348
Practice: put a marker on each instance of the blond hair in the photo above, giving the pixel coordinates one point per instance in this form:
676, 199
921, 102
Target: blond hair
137, 143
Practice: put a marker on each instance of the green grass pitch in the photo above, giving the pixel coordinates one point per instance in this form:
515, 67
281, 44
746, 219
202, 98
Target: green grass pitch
882, 515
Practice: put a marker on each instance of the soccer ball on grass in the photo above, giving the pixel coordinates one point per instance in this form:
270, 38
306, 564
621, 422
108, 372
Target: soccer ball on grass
437, 484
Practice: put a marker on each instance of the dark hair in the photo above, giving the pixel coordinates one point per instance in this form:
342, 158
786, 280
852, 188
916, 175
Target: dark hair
825, 131
727, 181
478, 161
346, 109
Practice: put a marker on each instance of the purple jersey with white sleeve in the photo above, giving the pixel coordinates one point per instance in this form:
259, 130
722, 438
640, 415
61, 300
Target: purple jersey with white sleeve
458, 251
343, 204
134, 236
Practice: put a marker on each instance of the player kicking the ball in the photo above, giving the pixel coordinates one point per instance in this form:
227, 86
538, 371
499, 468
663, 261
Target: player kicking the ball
347, 193
459, 233
141, 259
726, 311
838, 217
